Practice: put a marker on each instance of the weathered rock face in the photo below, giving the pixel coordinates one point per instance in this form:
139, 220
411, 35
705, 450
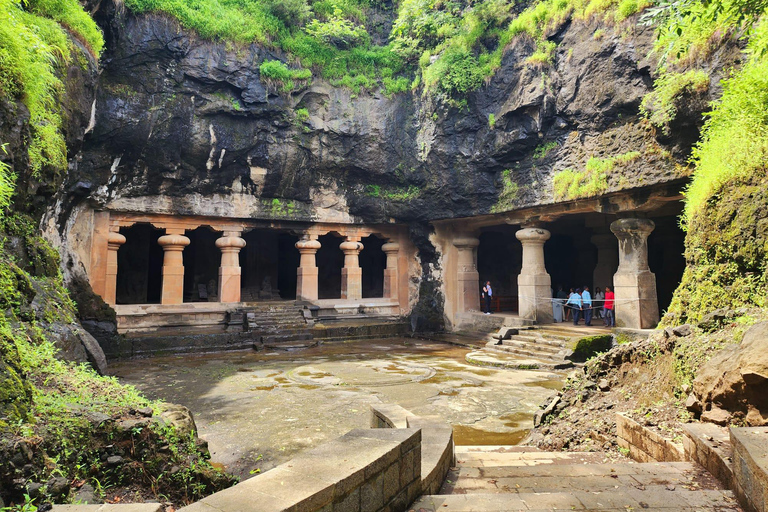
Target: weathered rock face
734, 383
190, 121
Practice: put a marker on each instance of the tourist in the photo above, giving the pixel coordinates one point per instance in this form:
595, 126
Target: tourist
598, 302
559, 304
609, 319
586, 306
487, 294
574, 305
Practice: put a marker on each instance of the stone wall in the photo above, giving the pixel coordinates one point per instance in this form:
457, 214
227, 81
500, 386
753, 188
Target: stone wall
645, 445
362, 471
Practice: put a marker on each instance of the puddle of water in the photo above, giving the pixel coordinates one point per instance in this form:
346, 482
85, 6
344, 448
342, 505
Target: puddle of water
514, 419
467, 436
308, 386
263, 388
556, 384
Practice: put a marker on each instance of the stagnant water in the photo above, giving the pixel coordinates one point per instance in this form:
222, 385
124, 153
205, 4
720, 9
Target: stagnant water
258, 409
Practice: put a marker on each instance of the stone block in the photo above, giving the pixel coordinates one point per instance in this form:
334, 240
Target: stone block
349, 502
372, 494
750, 466
391, 485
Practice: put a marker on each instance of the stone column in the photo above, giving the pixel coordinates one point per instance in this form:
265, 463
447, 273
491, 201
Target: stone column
534, 286
351, 274
607, 260
114, 241
230, 271
306, 274
391, 249
637, 306
173, 267
468, 279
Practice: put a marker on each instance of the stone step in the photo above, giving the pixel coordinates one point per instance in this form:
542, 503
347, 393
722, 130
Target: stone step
270, 339
655, 498
501, 456
491, 358
539, 336
525, 353
527, 345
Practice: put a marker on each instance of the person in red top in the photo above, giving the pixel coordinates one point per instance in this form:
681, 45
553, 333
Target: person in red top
610, 319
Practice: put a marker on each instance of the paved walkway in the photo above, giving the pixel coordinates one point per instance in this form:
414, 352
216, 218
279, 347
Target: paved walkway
508, 478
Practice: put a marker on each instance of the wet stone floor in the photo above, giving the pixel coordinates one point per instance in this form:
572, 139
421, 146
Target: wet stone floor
258, 409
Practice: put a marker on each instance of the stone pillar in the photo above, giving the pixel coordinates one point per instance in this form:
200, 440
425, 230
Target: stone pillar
468, 279
306, 274
173, 267
351, 274
391, 249
637, 306
607, 260
534, 286
114, 241
230, 271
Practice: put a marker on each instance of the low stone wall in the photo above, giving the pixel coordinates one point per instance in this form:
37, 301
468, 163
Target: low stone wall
147, 318
371, 329
750, 467
709, 446
362, 471
106, 507
645, 445
437, 455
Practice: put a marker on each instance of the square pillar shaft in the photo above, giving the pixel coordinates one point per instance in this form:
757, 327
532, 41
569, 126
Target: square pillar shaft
391, 249
534, 284
230, 272
637, 305
307, 273
351, 274
467, 276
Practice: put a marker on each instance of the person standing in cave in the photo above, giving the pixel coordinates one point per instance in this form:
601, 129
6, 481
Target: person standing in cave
487, 294
574, 304
586, 306
609, 319
599, 301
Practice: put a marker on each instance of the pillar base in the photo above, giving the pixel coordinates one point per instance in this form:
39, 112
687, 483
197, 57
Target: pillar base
306, 284
173, 285
636, 304
535, 298
229, 284
352, 283
390, 283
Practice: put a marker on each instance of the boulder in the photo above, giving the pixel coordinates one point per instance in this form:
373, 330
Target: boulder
180, 417
735, 380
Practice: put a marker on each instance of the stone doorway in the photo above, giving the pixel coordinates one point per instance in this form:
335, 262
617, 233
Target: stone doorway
201, 265
373, 261
140, 266
330, 261
499, 259
269, 261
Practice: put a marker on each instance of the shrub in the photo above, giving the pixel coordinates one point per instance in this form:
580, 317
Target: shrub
338, 31
291, 12
71, 15
280, 78
660, 105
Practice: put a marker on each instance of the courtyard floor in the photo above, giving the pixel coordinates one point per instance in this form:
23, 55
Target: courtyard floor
258, 409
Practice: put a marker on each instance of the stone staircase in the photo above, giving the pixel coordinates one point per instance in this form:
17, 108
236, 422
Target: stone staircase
508, 478
536, 346
280, 326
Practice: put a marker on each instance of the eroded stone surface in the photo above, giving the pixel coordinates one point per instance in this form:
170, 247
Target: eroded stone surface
275, 405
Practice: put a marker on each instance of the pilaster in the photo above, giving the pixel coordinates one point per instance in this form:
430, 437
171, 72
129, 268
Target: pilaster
114, 241
468, 296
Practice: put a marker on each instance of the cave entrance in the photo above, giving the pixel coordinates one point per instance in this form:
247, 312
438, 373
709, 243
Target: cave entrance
666, 248
570, 256
330, 261
499, 259
269, 261
201, 265
373, 261
140, 266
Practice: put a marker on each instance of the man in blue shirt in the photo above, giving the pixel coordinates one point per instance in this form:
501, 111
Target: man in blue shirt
487, 294
586, 306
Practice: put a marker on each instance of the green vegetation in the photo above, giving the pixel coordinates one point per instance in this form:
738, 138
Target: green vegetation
543, 150
279, 77
33, 51
509, 193
452, 46
394, 194
589, 346
726, 203
492, 121
659, 106
593, 180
